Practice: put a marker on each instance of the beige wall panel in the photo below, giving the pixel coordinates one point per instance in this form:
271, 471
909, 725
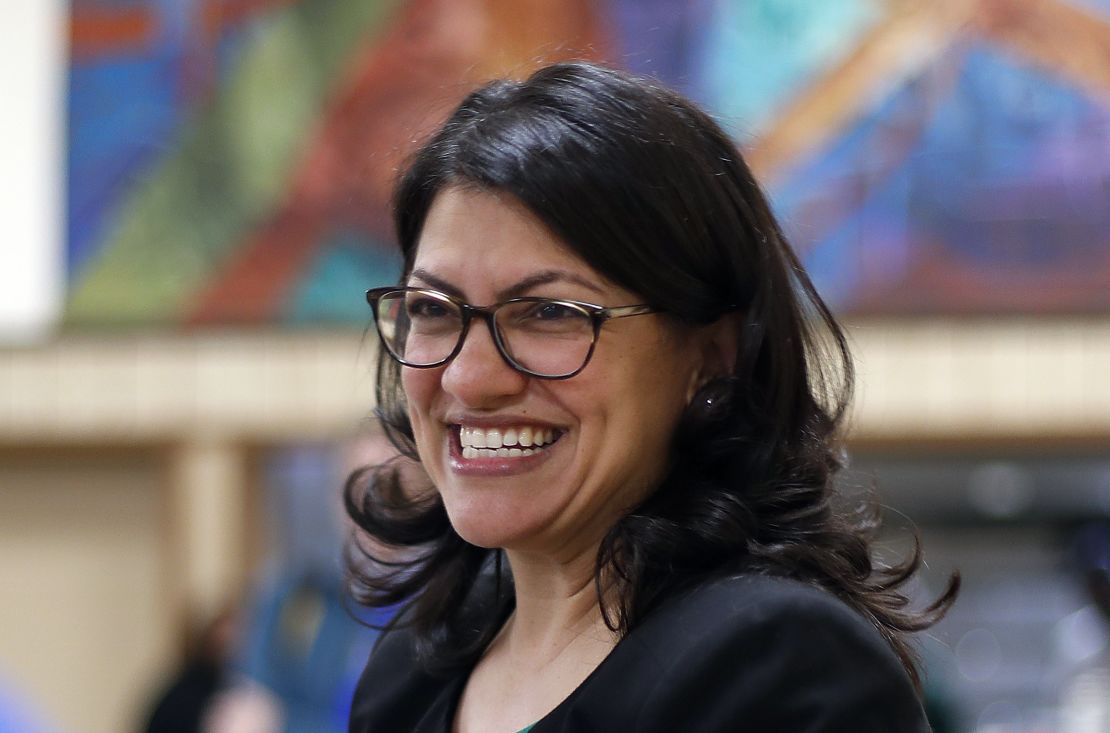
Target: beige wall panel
85, 627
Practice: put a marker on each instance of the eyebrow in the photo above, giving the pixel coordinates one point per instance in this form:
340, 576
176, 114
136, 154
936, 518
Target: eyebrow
516, 290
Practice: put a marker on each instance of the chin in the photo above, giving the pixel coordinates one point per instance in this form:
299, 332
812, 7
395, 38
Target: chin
481, 534
490, 523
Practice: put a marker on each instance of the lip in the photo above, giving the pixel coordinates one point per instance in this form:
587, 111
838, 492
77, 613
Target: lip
496, 466
497, 421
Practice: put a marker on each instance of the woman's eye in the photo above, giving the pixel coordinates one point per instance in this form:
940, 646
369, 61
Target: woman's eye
553, 312
427, 308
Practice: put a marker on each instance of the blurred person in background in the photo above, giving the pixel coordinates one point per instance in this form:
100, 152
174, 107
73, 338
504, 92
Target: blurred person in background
627, 397
185, 702
206, 696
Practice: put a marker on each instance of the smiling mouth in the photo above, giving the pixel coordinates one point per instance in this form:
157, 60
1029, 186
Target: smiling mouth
511, 442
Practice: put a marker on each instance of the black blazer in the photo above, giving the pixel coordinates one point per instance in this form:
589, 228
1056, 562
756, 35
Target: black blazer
751, 654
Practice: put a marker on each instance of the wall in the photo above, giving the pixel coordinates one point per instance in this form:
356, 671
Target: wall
86, 577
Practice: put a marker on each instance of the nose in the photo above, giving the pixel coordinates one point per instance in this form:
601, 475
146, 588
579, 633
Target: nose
479, 376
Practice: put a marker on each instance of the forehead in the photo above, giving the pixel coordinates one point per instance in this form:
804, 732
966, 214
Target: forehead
490, 235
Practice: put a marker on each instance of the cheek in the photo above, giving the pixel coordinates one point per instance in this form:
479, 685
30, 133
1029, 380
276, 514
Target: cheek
656, 379
420, 387
642, 403
655, 401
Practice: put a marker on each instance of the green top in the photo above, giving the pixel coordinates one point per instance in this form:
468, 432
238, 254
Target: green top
525, 730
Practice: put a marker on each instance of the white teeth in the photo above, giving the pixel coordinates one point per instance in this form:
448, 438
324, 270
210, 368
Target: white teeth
471, 454
500, 443
479, 443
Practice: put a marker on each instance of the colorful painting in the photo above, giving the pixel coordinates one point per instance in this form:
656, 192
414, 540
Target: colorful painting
230, 160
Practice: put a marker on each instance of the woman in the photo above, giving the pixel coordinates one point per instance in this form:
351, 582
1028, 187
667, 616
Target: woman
625, 394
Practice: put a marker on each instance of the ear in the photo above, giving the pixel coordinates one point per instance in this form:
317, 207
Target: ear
717, 347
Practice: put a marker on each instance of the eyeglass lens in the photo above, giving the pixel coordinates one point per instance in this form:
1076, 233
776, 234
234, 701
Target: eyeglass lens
545, 337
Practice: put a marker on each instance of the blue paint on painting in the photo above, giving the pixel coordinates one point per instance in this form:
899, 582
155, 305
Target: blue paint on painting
331, 289
123, 113
757, 54
175, 21
662, 38
1009, 166
869, 244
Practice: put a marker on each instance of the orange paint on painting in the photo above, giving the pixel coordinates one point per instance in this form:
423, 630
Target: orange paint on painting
95, 31
526, 34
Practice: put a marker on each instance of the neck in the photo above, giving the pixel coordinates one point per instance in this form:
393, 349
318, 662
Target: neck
557, 609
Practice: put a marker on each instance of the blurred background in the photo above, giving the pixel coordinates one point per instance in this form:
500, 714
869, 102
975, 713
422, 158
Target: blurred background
194, 200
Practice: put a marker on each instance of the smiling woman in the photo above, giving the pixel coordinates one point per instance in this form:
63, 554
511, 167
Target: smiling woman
626, 397
485, 247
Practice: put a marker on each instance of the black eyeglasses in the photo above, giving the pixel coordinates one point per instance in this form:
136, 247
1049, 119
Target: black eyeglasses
541, 337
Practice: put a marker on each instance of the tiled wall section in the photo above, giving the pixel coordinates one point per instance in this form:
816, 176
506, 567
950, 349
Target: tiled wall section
159, 388
917, 380
1022, 379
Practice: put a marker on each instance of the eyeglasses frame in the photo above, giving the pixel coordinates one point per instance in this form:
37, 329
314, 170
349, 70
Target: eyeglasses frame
598, 314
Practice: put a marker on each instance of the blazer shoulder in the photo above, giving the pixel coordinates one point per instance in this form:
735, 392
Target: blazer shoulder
739, 602
777, 653
779, 618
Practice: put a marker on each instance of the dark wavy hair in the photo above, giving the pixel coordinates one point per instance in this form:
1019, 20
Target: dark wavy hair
651, 193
